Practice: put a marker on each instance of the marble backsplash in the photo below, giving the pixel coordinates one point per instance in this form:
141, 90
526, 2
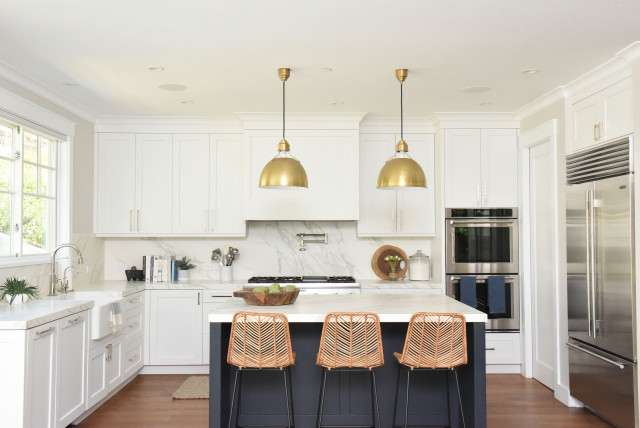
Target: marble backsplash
270, 248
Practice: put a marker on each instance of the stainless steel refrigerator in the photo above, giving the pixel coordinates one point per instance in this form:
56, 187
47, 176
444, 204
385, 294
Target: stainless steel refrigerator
601, 280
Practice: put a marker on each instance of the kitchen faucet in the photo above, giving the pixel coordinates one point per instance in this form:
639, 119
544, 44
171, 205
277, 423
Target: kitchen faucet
303, 238
54, 278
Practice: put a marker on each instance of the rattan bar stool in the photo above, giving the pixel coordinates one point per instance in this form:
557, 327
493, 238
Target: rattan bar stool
351, 342
260, 342
434, 342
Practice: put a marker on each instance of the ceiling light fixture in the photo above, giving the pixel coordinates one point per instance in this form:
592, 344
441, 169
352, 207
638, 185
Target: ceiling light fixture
530, 71
283, 171
401, 172
187, 102
155, 68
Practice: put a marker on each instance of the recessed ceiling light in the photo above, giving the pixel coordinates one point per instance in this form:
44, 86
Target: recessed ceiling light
327, 69
155, 68
337, 103
475, 89
172, 87
70, 84
187, 102
530, 71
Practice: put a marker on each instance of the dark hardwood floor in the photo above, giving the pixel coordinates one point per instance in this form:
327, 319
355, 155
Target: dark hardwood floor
512, 401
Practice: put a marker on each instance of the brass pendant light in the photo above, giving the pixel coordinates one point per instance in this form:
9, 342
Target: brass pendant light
283, 171
401, 172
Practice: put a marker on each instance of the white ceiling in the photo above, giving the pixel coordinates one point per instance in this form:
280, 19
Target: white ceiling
227, 52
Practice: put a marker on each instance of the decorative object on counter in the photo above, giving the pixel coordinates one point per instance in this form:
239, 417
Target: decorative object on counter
283, 170
17, 290
393, 263
134, 274
318, 238
401, 171
184, 266
382, 268
419, 267
160, 268
272, 296
226, 260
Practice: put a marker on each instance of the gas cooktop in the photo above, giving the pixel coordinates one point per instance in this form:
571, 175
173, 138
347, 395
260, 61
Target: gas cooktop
307, 281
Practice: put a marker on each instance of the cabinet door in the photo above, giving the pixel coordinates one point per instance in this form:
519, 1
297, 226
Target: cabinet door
586, 117
462, 173
41, 376
377, 207
113, 373
617, 109
116, 163
71, 368
175, 327
132, 358
191, 163
416, 211
226, 216
97, 375
154, 183
499, 161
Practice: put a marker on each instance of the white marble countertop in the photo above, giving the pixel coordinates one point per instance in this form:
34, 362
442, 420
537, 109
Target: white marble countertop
40, 311
126, 288
389, 307
399, 284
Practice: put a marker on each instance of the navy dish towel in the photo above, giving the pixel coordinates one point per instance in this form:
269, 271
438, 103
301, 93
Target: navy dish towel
495, 295
468, 291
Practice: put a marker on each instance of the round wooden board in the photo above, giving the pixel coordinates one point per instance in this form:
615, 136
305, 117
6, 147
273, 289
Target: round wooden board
382, 268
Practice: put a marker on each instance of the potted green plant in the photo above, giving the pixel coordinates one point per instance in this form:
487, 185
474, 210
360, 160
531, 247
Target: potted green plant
184, 266
17, 290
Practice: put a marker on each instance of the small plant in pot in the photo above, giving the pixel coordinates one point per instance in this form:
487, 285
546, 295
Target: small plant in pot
184, 266
17, 290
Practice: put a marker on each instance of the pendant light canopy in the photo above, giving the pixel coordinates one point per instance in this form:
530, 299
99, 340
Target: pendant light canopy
401, 172
284, 171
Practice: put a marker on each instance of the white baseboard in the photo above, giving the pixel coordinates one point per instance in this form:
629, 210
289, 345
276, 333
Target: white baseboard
563, 395
101, 402
503, 369
175, 370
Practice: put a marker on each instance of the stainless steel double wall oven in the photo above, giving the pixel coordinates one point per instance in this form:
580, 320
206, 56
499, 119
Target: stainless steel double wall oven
483, 242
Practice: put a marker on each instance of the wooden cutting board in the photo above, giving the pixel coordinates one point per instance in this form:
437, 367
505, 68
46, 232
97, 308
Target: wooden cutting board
382, 268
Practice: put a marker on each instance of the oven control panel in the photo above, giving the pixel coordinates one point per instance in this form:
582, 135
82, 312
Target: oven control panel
482, 213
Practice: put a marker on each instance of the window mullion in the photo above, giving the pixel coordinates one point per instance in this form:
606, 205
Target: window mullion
16, 199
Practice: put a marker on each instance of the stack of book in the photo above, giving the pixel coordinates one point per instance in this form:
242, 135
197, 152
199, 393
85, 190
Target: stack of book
160, 268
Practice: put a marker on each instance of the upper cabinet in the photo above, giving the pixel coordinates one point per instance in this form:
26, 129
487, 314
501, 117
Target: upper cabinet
327, 148
168, 184
396, 212
481, 168
603, 116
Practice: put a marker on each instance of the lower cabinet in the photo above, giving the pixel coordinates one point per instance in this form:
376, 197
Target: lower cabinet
175, 327
503, 352
40, 376
105, 369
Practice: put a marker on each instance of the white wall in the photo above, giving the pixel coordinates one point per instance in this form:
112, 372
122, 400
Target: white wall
270, 248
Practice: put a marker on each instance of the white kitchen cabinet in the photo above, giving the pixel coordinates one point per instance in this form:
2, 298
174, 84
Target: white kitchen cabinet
396, 212
154, 183
40, 376
211, 301
603, 116
115, 190
330, 159
207, 185
481, 168
175, 327
105, 370
71, 372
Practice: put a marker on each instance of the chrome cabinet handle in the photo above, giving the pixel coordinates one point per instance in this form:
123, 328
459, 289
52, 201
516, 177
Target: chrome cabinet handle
489, 349
198, 298
393, 219
598, 356
138, 220
45, 332
212, 222
109, 352
130, 220
75, 320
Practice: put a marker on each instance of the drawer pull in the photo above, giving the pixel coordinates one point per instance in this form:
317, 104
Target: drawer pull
132, 359
489, 349
134, 300
75, 320
44, 332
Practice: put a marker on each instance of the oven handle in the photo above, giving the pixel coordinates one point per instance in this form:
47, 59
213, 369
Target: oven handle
485, 277
483, 221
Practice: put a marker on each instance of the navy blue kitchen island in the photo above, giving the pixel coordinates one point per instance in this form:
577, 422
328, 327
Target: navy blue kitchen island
348, 396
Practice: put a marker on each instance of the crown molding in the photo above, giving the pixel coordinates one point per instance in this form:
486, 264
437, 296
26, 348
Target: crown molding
542, 102
269, 121
169, 124
474, 120
37, 88
391, 125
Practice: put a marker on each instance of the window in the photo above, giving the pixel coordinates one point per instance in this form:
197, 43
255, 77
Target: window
28, 191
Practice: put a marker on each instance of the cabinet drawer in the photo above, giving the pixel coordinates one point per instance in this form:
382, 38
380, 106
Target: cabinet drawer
132, 358
212, 296
503, 348
133, 323
133, 301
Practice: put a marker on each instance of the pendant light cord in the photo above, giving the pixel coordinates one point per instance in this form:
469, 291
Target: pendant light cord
401, 115
283, 107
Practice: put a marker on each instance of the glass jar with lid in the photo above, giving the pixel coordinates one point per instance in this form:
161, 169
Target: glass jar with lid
419, 267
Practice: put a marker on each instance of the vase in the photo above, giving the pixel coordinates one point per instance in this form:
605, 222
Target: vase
183, 275
226, 273
393, 275
18, 300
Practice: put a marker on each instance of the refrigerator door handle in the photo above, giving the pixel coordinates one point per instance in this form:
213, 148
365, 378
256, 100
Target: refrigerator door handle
593, 354
587, 199
593, 262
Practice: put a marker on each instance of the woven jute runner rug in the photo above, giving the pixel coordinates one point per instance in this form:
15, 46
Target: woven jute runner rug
193, 388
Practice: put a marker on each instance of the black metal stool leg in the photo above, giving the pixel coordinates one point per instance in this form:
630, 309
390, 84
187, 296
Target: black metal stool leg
233, 398
321, 403
455, 371
406, 408
287, 397
293, 421
375, 400
395, 400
